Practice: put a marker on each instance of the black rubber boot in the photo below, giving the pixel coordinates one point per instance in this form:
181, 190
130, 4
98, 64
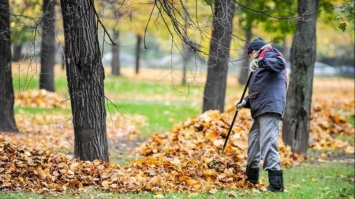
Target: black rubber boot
276, 181
253, 175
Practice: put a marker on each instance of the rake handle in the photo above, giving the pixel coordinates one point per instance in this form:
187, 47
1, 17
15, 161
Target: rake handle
236, 113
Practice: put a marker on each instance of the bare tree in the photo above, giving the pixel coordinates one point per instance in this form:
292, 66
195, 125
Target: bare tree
138, 51
187, 51
7, 118
295, 130
244, 71
48, 46
85, 74
215, 86
115, 61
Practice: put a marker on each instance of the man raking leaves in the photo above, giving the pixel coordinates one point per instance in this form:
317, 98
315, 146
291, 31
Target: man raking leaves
267, 101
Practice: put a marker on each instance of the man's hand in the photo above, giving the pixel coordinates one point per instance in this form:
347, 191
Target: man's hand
254, 65
240, 105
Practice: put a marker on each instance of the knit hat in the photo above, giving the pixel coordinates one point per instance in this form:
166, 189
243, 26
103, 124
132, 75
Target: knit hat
256, 44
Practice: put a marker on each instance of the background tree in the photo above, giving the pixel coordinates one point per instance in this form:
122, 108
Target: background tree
7, 118
186, 49
339, 50
273, 20
85, 75
248, 18
24, 25
138, 52
48, 46
244, 71
114, 15
295, 130
115, 62
187, 27
345, 16
215, 86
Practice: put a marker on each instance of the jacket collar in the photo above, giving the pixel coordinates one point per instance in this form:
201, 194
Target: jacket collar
261, 49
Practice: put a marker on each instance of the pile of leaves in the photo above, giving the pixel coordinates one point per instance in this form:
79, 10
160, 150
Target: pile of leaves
40, 98
332, 104
40, 171
202, 137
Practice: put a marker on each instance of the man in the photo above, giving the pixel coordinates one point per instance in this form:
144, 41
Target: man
267, 101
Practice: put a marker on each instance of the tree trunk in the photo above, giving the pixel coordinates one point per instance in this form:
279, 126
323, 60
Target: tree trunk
7, 118
215, 87
48, 47
17, 55
85, 74
244, 71
138, 52
284, 48
186, 56
115, 62
299, 97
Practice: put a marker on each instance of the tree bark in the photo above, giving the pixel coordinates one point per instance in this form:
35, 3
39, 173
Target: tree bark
7, 118
48, 46
295, 130
215, 86
85, 75
138, 52
244, 71
115, 62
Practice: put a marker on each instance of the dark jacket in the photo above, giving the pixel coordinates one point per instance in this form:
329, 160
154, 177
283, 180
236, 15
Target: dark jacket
268, 84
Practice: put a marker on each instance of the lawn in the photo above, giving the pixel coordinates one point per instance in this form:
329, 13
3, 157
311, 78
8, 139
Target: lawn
164, 103
307, 180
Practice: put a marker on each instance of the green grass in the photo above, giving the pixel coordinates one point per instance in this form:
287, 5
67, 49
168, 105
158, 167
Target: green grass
121, 86
152, 99
161, 115
308, 180
31, 81
33, 110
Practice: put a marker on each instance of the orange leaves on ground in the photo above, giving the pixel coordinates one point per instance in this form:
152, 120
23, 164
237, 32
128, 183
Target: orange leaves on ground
41, 171
55, 131
40, 98
187, 158
201, 138
332, 103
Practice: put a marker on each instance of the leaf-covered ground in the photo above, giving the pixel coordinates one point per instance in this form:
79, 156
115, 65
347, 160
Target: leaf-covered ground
187, 158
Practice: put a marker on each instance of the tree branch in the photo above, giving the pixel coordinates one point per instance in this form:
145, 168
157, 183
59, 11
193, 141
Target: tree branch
102, 25
269, 15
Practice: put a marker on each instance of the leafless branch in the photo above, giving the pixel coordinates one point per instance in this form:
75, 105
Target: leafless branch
102, 25
266, 13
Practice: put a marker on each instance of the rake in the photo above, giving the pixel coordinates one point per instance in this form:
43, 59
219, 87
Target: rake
236, 113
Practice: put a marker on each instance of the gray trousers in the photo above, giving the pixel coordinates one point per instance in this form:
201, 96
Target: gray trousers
262, 142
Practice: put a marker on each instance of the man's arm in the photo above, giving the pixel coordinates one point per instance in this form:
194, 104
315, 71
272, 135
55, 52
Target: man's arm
273, 61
